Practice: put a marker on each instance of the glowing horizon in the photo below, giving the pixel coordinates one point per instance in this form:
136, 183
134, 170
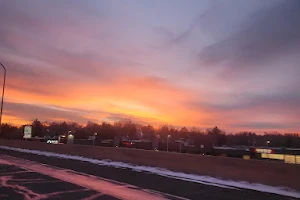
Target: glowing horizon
198, 63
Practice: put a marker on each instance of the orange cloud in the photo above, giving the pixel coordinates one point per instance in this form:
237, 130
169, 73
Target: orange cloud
150, 98
80, 66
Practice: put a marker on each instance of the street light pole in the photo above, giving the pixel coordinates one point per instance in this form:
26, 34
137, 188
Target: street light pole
180, 144
168, 142
2, 97
95, 134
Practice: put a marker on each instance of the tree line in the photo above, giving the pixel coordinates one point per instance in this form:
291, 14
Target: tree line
131, 130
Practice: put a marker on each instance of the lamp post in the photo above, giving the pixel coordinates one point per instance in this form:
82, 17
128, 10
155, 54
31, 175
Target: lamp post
180, 141
168, 142
95, 134
268, 142
70, 138
2, 97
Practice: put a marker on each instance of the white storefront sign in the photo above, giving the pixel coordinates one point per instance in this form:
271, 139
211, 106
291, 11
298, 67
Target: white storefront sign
52, 141
263, 150
27, 132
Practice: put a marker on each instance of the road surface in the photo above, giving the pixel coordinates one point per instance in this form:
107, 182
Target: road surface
17, 183
143, 183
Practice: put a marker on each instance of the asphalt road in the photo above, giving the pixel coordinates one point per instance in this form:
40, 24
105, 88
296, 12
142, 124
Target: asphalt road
149, 181
17, 183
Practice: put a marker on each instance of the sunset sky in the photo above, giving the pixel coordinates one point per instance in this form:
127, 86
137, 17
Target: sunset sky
230, 63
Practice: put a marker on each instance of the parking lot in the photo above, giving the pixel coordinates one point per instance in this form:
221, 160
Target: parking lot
17, 183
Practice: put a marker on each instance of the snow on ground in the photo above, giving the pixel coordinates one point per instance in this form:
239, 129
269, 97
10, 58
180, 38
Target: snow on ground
229, 184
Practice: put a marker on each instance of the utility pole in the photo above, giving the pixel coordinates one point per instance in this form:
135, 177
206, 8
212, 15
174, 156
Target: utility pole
180, 143
168, 142
94, 138
2, 97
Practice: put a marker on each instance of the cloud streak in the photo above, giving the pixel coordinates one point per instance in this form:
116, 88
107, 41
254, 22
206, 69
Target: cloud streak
95, 61
266, 35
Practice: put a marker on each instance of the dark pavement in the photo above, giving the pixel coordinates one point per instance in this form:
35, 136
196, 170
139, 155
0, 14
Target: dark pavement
143, 180
17, 183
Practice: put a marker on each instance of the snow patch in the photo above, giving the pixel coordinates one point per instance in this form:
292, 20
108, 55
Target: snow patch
229, 184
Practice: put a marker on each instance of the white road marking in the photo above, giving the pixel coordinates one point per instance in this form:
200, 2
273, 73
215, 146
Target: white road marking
84, 180
93, 196
6, 181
